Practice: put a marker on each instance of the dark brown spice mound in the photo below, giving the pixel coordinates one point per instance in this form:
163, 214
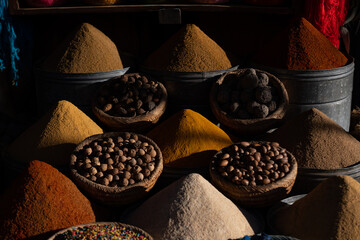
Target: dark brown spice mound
318, 142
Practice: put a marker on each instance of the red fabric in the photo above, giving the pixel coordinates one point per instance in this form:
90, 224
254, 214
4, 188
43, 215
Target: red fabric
327, 16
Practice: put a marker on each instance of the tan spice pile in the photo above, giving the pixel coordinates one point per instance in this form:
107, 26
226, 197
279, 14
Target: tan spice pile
301, 47
317, 141
192, 208
189, 50
54, 136
87, 50
39, 201
331, 211
187, 139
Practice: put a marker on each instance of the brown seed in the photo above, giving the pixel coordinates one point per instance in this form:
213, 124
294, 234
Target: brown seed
103, 167
257, 156
123, 159
275, 144
131, 181
244, 144
259, 178
267, 172
253, 183
116, 178
235, 178
280, 156
87, 160
115, 171
224, 174
93, 170
252, 151
87, 175
110, 167
263, 149
230, 168
99, 175
141, 152
245, 182
266, 181
124, 182
284, 160
235, 148
132, 162
127, 175
139, 161
121, 166
139, 176
88, 151
110, 161
110, 177
93, 178
225, 156
286, 168
105, 181
269, 166
146, 172
224, 163
107, 107
88, 166
151, 166
271, 154
153, 153
147, 158
137, 169
282, 174
132, 153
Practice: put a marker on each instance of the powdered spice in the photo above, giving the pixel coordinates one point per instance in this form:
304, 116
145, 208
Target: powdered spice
88, 50
189, 50
187, 139
39, 201
301, 47
318, 142
53, 137
192, 208
331, 211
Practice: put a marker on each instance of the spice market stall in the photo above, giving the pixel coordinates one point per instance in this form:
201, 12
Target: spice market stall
171, 120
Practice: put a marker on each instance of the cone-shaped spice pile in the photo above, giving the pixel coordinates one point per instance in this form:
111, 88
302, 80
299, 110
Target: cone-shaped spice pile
53, 137
191, 208
301, 47
189, 50
330, 211
39, 201
87, 50
317, 141
187, 139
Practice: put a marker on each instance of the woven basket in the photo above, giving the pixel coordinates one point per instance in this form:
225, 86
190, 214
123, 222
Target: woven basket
135, 229
258, 196
137, 123
256, 125
117, 195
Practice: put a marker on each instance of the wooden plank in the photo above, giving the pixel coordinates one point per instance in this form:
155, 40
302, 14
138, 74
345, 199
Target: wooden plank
149, 8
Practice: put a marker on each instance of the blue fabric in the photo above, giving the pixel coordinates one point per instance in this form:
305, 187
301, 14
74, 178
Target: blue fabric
9, 52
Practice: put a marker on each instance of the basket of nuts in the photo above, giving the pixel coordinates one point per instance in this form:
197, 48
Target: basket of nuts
249, 101
254, 174
116, 168
131, 102
102, 230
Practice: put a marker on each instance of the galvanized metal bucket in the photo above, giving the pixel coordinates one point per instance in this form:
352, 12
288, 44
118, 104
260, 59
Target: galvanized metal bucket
328, 90
77, 88
188, 89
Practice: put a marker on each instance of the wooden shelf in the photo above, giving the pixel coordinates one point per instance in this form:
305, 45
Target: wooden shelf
15, 9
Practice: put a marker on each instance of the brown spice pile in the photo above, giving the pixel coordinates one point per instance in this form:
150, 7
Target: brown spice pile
187, 139
318, 142
192, 208
39, 201
331, 211
189, 50
88, 50
301, 47
53, 137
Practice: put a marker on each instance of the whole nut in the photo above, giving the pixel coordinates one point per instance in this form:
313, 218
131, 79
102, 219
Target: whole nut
139, 176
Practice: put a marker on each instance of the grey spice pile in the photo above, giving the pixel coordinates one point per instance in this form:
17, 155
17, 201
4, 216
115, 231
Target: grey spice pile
252, 163
116, 162
247, 95
129, 96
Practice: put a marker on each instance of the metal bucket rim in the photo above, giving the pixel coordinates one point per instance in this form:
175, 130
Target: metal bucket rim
348, 68
81, 77
190, 75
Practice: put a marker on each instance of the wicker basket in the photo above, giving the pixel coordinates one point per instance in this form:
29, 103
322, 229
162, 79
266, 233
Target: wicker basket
258, 196
135, 229
137, 123
117, 195
256, 125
